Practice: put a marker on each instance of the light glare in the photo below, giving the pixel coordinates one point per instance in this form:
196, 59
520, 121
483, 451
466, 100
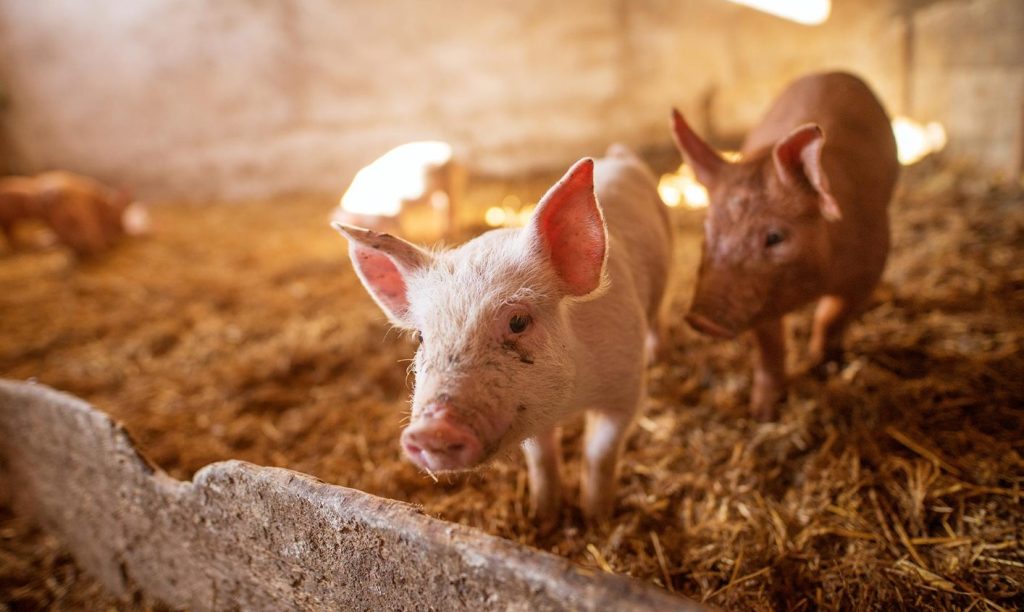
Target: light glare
681, 187
807, 12
397, 176
915, 141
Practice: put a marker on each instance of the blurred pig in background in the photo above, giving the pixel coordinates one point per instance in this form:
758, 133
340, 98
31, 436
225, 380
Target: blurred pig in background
83, 214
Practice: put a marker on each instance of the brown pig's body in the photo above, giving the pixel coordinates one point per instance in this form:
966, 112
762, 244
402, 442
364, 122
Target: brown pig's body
860, 161
802, 216
84, 214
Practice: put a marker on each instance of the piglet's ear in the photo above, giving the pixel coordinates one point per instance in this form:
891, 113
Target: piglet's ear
569, 227
699, 155
798, 162
383, 263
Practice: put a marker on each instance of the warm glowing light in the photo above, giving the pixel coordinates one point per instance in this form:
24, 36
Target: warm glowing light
915, 141
681, 187
807, 12
440, 200
511, 213
495, 216
397, 176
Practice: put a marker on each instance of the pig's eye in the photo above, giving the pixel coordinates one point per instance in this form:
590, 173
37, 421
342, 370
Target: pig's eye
772, 238
518, 323
419, 337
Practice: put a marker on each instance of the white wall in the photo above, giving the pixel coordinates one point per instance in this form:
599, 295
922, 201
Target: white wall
252, 98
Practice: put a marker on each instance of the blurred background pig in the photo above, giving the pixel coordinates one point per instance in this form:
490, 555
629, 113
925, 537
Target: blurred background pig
521, 328
802, 216
84, 214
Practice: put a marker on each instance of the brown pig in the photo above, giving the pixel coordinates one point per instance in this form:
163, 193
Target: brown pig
84, 214
76, 212
802, 216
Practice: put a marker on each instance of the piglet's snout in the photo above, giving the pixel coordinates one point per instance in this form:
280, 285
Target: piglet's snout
439, 442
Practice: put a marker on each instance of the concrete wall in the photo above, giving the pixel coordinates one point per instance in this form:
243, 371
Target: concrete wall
242, 537
968, 72
251, 98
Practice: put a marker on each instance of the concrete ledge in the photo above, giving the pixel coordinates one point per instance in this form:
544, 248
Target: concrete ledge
242, 536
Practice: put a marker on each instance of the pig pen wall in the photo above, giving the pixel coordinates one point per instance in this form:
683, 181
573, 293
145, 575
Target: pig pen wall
240, 536
240, 99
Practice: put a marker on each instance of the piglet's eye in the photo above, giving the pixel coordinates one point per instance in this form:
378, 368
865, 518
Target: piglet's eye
419, 337
772, 238
518, 323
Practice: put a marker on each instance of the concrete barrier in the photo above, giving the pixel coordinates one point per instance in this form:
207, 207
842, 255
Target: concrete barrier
240, 536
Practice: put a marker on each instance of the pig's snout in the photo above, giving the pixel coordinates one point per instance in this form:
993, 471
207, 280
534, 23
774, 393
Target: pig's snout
707, 326
438, 442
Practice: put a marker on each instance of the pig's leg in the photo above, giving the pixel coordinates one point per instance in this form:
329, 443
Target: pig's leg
831, 317
658, 338
544, 462
7, 229
654, 344
769, 369
605, 436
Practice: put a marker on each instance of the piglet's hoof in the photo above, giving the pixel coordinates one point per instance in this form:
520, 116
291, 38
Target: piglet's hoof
823, 365
597, 507
546, 524
547, 516
764, 402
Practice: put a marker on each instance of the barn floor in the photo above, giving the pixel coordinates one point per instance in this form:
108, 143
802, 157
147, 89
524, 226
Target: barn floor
240, 331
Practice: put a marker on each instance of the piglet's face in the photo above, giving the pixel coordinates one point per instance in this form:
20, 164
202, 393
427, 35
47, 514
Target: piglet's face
494, 363
765, 243
491, 365
763, 249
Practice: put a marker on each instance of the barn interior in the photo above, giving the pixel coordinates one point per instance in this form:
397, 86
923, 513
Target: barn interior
232, 326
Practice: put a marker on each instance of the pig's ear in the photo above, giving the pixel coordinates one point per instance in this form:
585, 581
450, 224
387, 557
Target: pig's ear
383, 262
706, 163
568, 227
798, 162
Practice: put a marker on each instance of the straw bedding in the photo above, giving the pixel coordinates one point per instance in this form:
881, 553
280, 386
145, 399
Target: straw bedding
241, 332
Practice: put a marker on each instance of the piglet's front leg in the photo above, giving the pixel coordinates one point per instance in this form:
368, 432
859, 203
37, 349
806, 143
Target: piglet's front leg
769, 369
605, 435
544, 462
